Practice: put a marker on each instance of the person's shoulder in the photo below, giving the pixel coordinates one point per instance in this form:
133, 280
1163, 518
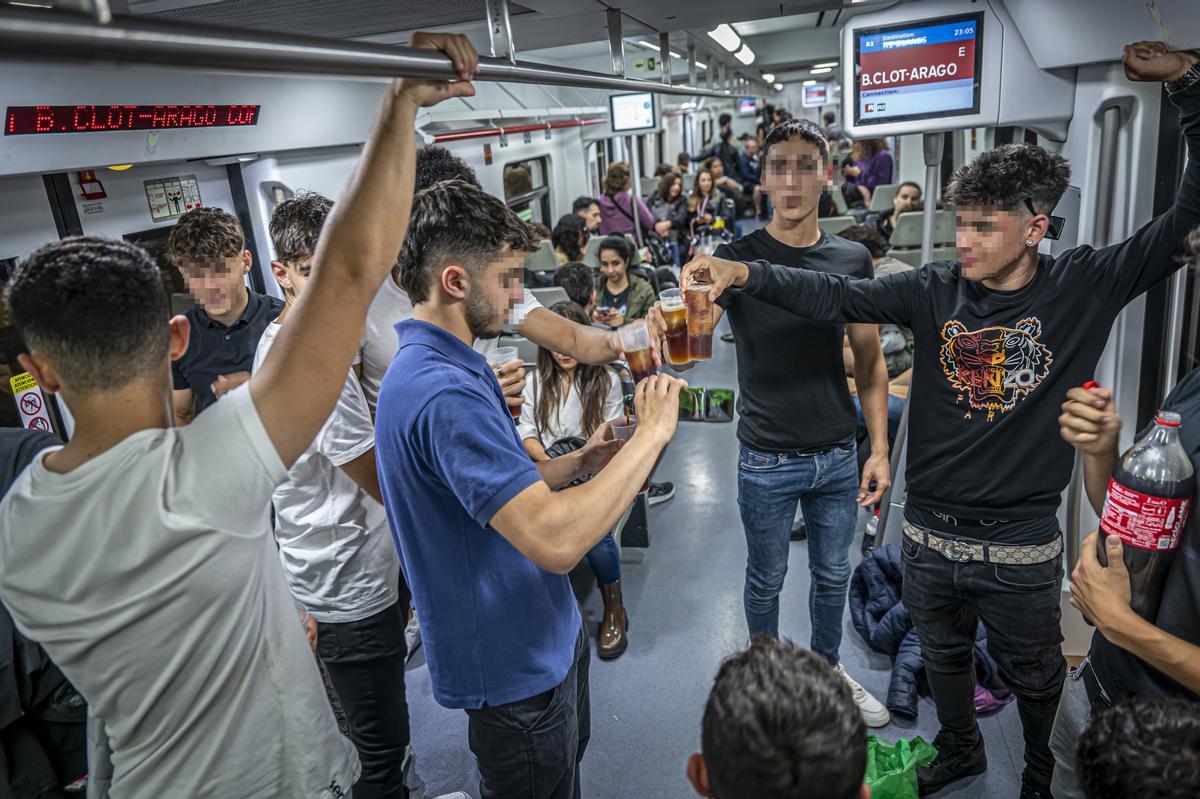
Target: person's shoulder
751, 246
271, 303
640, 283
1185, 397
18, 448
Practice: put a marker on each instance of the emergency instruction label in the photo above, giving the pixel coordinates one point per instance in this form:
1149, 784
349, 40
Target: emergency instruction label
30, 402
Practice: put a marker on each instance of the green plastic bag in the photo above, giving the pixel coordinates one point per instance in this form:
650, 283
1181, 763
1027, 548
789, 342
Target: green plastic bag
892, 768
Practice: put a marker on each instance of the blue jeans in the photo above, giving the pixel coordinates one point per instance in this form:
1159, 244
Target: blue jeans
769, 487
605, 560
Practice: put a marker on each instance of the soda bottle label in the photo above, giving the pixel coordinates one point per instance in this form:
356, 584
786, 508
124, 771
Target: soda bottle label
1144, 521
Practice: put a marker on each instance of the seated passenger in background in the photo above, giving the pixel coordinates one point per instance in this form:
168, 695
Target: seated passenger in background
750, 168
704, 206
908, 198
138, 555
576, 279
587, 208
569, 238
565, 403
728, 186
1147, 747
540, 231
620, 297
209, 247
484, 540
683, 162
335, 547
780, 724
669, 202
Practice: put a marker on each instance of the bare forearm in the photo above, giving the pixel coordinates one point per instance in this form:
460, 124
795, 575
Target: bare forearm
557, 472
1173, 656
871, 378
1097, 469
535, 449
583, 343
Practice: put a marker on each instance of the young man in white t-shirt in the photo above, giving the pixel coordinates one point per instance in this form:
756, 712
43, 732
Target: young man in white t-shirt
137, 555
335, 545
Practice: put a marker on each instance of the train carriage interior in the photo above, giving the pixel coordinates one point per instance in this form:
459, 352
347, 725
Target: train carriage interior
123, 117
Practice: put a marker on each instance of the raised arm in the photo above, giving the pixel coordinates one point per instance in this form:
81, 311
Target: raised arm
584, 343
819, 296
298, 384
1149, 255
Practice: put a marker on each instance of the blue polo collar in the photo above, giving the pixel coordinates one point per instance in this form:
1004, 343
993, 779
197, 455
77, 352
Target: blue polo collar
419, 332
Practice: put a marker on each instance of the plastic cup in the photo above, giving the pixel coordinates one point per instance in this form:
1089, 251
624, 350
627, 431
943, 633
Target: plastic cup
623, 431
635, 341
699, 321
674, 313
497, 358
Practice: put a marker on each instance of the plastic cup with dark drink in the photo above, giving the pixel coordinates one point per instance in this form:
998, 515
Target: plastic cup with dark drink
699, 321
635, 341
674, 313
623, 430
496, 359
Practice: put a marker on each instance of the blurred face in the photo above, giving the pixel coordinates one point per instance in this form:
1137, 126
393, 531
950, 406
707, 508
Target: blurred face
218, 284
675, 189
717, 169
591, 217
905, 197
752, 147
989, 240
794, 175
492, 297
705, 182
612, 265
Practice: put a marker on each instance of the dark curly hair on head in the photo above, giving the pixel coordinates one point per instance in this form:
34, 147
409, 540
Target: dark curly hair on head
435, 164
867, 236
203, 234
1006, 176
1144, 746
781, 723
455, 221
576, 279
798, 129
96, 308
566, 235
296, 225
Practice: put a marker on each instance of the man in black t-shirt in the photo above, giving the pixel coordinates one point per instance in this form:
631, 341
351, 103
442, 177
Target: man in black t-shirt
796, 423
1129, 655
999, 339
209, 247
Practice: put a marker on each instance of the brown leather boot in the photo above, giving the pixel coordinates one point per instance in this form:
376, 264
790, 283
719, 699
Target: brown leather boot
613, 636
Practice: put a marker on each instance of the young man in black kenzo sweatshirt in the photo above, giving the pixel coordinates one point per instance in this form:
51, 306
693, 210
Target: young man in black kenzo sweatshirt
1000, 337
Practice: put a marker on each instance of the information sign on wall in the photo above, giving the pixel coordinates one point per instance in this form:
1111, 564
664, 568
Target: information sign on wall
170, 198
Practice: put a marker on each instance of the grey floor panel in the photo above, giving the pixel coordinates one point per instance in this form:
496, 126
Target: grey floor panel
685, 607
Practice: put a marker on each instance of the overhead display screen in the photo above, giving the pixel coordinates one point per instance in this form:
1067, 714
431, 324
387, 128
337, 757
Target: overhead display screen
25, 119
918, 70
747, 106
632, 111
816, 95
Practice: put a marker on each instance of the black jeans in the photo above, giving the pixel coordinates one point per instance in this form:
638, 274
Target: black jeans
1019, 608
365, 661
531, 749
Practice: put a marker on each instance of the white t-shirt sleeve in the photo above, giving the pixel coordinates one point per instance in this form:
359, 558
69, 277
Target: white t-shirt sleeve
224, 467
348, 432
614, 402
527, 425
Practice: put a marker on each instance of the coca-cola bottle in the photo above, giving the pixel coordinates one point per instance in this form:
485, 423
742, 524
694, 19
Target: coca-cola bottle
1147, 504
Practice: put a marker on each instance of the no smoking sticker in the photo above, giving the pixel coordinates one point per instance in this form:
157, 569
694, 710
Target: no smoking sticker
30, 402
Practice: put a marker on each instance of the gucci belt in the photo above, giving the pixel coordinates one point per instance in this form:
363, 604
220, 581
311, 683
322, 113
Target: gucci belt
967, 551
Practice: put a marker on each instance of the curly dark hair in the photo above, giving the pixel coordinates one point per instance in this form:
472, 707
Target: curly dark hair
781, 723
453, 220
1145, 746
798, 129
96, 308
296, 226
566, 235
205, 233
1006, 176
435, 164
576, 279
867, 236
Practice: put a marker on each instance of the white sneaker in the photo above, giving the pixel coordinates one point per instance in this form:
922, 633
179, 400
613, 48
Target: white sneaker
873, 711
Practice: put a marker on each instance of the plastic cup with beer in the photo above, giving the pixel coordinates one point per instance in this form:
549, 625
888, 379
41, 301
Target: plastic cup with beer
674, 313
496, 359
635, 341
699, 321
623, 430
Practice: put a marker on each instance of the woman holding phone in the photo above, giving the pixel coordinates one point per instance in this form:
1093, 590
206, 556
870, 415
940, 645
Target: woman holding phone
620, 297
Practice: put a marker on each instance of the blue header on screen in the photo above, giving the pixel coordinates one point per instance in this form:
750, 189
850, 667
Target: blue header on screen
918, 37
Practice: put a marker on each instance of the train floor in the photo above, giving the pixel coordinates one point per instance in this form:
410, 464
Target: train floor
685, 606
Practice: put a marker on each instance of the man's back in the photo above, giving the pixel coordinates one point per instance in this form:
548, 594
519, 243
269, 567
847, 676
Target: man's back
187, 644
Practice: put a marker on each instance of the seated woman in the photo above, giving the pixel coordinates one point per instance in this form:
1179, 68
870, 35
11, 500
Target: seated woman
565, 402
705, 205
620, 297
569, 238
668, 204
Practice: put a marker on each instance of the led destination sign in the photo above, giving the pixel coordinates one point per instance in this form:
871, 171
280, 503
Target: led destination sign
25, 119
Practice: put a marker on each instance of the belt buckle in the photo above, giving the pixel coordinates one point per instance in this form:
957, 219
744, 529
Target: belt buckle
956, 550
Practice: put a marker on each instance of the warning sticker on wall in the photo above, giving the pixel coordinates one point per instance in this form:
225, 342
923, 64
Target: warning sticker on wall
172, 197
30, 402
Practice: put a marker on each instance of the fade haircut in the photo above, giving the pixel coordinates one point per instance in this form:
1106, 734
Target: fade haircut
296, 226
455, 222
867, 236
96, 307
435, 164
576, 279
1006, 176
798, 129
1143, 746
205, 234
780, 723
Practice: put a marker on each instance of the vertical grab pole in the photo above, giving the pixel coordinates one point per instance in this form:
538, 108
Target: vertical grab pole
616, 47
664, 54
635, 160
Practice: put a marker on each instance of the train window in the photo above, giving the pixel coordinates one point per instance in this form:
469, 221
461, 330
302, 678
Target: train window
527, 189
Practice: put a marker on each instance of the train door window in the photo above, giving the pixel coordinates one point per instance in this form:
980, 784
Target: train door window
154, 241
527, 189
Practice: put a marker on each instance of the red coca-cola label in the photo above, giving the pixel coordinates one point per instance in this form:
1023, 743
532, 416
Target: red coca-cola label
1144, 521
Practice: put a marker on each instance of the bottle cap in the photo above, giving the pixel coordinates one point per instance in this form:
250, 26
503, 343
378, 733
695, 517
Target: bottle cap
1168, 419
1091, 384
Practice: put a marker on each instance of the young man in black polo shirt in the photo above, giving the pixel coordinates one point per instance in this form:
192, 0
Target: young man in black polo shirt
999, 339
209, 247
1130, 656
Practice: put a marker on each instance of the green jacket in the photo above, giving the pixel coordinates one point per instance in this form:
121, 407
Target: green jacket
641, 296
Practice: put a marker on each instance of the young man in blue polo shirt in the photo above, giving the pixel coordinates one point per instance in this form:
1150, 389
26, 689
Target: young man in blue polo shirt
485, 541
209, 247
